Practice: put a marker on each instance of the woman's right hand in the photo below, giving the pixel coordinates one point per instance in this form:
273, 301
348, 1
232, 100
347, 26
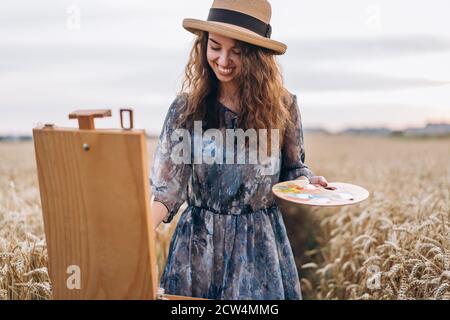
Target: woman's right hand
158, 212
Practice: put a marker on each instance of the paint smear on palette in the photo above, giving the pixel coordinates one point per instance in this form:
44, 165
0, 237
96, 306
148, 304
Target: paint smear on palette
308, 193
338, 194
346, 196
295, 189
307, 196
303, 196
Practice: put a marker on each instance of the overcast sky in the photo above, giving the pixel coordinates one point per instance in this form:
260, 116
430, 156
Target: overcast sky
351, 62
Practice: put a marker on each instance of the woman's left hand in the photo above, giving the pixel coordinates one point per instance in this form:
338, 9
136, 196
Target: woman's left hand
317, 180
320, 180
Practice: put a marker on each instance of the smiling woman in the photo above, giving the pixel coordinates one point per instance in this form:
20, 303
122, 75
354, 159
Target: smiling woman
224, 57
239, 74
230, 241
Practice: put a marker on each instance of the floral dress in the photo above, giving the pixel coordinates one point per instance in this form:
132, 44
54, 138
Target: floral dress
230, 241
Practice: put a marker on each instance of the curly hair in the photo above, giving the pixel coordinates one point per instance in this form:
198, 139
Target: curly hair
263, 98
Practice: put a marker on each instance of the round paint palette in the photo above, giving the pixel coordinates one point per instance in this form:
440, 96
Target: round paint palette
335, 194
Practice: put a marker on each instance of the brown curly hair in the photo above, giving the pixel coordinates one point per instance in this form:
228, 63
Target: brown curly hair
263, 98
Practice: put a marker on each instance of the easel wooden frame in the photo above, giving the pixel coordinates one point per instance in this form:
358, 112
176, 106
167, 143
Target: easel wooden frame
96, 207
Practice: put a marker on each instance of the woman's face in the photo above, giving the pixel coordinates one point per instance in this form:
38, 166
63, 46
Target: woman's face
224, 57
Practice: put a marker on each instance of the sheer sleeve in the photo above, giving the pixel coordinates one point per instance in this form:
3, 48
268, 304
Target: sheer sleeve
293, 151
169, 179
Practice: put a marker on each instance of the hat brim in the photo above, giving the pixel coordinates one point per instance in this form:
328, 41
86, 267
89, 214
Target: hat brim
234, 32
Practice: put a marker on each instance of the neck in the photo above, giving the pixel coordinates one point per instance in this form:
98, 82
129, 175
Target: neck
228, 90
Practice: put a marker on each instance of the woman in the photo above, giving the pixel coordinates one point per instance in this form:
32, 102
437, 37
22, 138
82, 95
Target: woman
230, 242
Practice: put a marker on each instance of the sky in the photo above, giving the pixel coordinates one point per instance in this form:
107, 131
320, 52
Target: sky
351, 63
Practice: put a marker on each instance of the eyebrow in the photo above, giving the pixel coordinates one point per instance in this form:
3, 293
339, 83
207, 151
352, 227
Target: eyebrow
235, 47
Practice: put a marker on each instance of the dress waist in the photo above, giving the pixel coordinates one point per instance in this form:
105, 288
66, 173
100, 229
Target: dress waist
232, 211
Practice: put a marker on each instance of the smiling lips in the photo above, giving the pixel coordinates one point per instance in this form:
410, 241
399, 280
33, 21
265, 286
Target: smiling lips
224, 71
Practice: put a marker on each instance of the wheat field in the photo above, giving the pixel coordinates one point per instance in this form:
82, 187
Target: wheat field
395, 245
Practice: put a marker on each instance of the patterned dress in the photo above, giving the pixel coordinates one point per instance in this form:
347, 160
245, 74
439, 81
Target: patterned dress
230, 242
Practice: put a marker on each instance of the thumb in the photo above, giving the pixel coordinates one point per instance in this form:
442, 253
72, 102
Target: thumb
320, 180
323, 181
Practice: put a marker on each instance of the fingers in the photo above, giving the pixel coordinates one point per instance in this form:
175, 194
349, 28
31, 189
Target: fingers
319, 180
322, 181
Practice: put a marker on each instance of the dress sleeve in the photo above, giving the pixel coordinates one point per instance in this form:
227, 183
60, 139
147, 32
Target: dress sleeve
293, 152
169, 179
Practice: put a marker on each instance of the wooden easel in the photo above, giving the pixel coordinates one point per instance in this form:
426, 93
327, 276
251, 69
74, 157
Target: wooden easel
95, 199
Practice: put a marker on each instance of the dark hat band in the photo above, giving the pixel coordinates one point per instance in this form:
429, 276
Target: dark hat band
240, 19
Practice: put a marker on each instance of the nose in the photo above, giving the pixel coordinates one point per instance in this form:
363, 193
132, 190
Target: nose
224, 58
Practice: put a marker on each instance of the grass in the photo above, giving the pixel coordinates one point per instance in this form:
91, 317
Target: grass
395, 245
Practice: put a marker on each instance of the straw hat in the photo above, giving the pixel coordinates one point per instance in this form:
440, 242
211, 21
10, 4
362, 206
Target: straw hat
244, 20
